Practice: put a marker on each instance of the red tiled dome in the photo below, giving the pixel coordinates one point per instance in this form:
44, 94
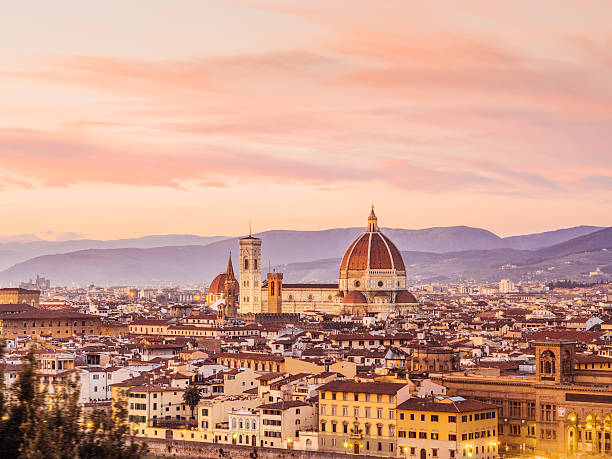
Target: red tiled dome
372, 250
218, 284
405, 297
354, 297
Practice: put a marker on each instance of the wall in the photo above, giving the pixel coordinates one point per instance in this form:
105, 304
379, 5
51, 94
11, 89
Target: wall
170, 448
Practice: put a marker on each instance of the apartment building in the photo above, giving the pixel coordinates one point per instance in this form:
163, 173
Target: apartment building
360, 417
446, 428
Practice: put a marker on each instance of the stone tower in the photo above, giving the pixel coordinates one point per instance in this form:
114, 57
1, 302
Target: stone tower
275, 294
250, 275
555, 360
230, 292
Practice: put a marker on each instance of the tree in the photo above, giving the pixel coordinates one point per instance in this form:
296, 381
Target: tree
36, 424
25, 400
106, 435
191, 397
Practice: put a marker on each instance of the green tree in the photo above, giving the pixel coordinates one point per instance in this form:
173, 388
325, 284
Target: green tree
191, 397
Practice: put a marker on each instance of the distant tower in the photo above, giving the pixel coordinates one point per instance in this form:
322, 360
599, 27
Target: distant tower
250, 275
230, 292
275, 293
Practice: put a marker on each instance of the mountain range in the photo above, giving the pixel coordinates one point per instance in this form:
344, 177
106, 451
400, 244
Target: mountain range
449, 253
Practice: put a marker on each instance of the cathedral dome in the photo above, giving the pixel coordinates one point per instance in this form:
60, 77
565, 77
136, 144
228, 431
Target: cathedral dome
218, 284
372, 250
354, 297
405, 297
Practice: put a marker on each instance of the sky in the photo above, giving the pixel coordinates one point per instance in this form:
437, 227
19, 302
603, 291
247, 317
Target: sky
125, 118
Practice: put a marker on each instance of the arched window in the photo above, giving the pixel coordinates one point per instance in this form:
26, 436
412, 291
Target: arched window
272, 288
246, 263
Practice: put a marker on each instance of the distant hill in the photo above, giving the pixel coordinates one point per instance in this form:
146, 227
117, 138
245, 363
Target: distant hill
314, 256
18, 251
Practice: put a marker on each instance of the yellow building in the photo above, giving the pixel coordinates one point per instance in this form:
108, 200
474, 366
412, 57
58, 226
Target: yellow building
446, 428
359, 417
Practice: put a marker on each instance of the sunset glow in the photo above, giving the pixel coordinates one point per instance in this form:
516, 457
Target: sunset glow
132, 118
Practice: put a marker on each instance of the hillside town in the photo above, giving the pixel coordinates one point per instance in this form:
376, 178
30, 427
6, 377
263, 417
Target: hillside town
368, 366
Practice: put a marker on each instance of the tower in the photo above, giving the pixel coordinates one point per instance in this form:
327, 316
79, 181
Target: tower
230, 292
250, 275
275, 293
555, 360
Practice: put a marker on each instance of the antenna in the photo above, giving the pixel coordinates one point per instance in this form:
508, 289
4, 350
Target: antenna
250, 233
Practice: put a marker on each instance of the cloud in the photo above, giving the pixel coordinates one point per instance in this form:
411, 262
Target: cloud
405, 98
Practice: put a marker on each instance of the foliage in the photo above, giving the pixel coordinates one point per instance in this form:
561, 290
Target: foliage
37, 424
191, 397
105, 436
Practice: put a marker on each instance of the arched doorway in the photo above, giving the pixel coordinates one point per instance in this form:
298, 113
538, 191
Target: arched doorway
356, 448
423, 453
253, 440
169, 435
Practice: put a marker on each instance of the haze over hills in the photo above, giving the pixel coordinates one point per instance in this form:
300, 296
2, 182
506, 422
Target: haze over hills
20, 250
434, 253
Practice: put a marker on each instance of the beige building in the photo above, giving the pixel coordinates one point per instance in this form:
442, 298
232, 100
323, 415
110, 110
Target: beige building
561, 411
371, 280
19, 295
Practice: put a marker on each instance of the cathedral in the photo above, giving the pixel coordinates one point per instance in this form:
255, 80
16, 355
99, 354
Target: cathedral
371, 280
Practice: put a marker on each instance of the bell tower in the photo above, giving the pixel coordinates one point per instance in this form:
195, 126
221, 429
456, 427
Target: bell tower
250, 275
555, 360
275, 293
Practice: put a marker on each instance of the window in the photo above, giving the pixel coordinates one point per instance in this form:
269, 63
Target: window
515, 409
434, 452
356, 411
452, 419
379, 431
345, 411
356, 397
434, 418
548, 412
391, 414
323, 410
333, 396
422, 418
423, 435
379, 398
323, 395
412, 434
452, 437
531, 411
379, 413
333, 408
401, 416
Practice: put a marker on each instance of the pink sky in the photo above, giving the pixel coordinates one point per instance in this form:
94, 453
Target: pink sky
125, 118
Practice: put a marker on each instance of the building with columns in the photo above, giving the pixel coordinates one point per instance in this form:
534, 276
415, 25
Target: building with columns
563, 411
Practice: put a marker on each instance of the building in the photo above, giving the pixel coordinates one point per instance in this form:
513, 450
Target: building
360, 417
371, 280
20, 295
282, 421
562, 410
446, 428
53, 323
506, 286
224, 288
250, 275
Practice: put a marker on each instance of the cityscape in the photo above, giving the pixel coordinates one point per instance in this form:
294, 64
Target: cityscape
291, 230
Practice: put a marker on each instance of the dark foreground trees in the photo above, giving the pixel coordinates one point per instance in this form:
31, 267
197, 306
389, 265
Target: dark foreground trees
35, 424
